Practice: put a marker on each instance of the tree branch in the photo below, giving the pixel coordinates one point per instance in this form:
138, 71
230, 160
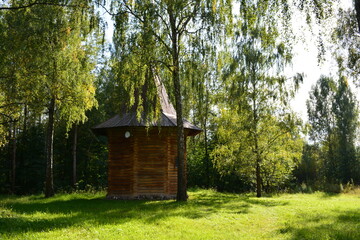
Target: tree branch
41, 3
5, 77
108, 11
163, 20
151, 30
11, 104
186, 19
194, 32
8, 116
4, 123
165, 64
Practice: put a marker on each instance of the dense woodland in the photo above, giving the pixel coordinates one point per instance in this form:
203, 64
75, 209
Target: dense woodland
223, 65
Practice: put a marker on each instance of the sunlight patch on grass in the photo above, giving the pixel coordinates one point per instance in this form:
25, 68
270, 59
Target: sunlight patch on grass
206, 215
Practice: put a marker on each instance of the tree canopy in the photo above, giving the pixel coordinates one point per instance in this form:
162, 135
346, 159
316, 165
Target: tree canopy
223, 65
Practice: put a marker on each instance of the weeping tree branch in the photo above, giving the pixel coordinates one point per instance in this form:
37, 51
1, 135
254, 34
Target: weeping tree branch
31, 4
7, 116
134, 14
11, 104
186, 19
169, 67
108, 11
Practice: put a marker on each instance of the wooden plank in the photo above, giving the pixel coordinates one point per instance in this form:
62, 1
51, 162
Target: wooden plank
143, 164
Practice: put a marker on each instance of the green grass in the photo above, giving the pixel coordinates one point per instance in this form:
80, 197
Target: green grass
207, 215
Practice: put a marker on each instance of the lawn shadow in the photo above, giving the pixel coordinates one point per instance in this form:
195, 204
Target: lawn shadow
18, 216
57, 213
17, 224
329, 195
266, 202
346, 225
200, 206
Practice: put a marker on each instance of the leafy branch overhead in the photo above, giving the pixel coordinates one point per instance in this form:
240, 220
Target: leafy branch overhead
22, 5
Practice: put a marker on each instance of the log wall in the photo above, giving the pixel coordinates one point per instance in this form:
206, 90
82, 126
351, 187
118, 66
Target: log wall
143, 165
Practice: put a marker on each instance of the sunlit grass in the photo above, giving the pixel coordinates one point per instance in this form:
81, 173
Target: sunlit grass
207, 215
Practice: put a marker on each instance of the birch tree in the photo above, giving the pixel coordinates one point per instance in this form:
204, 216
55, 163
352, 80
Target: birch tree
56, 67
333, 116
264, 125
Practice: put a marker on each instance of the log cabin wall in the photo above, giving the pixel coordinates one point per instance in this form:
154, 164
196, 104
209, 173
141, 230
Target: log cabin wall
144, 164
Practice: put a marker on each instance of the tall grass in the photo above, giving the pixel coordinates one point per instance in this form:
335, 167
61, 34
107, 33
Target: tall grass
207, 215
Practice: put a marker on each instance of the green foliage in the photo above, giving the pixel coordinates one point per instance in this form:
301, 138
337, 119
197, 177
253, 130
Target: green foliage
30, 167
203, 173
258, 136
333, 116
91, 158
49, 53
30, 160
319, 108
347, 44
234, 153
48, 59
309, 169
346, 113
198, 165
222, 59
143, 41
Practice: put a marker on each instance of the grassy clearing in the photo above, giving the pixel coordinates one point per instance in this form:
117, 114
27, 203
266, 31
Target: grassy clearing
207, 215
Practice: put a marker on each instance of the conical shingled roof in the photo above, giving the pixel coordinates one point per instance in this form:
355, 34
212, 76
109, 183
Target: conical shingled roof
167, 117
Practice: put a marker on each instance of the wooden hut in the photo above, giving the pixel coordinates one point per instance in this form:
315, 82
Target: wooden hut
142, 157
